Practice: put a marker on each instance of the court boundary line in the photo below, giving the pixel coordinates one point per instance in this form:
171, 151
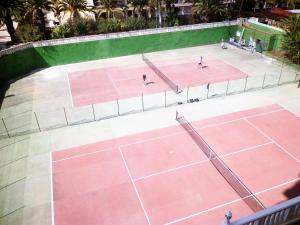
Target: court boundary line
51, 190
199, 128
291, 111
228, 203
168, 135
70, 91
134, 187
202, 161
268, 137
113, 83
85, 154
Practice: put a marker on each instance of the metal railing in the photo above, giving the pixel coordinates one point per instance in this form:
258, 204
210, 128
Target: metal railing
280, 214
28, 122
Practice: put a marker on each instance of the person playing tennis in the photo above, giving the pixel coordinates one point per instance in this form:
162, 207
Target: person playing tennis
144, 78
200, 61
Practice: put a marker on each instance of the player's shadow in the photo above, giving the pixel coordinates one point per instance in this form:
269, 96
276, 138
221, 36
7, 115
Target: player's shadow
150, 82
3, 88
294, 191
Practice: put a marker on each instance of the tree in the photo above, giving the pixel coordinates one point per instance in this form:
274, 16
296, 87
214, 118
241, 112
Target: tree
74, 7
210, 10
107, 6
156, 5
291, 38
139, 5
57, 8
34, 12
8, 9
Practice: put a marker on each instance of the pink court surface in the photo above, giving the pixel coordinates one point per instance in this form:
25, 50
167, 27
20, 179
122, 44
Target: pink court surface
163, 177
107, 84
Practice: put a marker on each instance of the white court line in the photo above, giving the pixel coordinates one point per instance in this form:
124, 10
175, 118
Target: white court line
201, 161
199, 128
133, 184
70, 91
85, 154
113, 83
294, 113
268, 137
51, 190
170, 135
228, 203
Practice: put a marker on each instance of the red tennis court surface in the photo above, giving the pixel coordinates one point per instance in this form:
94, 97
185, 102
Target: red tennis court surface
162, 177
107, 84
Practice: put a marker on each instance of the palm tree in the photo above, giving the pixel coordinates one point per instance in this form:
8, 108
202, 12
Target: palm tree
35, 12
107, 6
138, 5
291, 38
156, 5
57, 8
210, 10
8, 9
74, 7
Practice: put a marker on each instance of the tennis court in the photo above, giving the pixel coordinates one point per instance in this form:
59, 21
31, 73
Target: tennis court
119, 82
163, 177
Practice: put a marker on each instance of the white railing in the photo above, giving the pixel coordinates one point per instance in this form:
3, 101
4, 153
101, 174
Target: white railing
116, 35
282, 213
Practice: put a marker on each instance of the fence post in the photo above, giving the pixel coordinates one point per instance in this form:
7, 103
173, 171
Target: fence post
279, 79
297, 72
281, 69
227, 87
187, 95
118, 107
66, 116
207, 92
263, 83
143, 102
165, 98
5, 128
37, 121
93, 112
246, 81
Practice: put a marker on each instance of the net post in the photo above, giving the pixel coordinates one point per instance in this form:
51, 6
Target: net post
66, 116
93, 112
207, 93
118, 107
5, 128
246, 80
143, 102
37, 121
176, 115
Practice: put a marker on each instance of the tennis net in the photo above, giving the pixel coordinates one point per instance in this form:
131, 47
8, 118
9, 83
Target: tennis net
161, 74
232, 179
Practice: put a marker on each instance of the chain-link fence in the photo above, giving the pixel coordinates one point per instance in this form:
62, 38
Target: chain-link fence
40, 121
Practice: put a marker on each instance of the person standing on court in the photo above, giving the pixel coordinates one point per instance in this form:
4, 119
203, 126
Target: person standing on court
144, 78
200, 61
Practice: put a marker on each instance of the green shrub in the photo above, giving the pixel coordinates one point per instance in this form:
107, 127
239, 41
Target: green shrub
62, 31
133, 23
80, 27
108, 25
28, 33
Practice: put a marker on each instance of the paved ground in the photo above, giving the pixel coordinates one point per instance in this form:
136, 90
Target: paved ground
25, 172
